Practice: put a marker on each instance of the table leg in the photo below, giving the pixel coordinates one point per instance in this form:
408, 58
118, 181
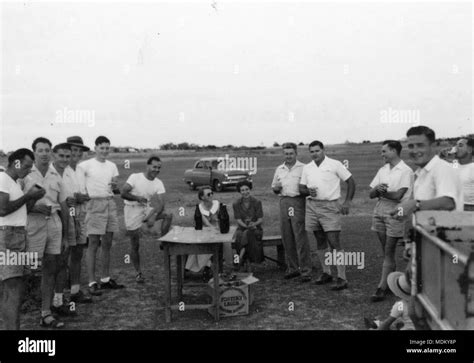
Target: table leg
179, 277
216, 281
167, 268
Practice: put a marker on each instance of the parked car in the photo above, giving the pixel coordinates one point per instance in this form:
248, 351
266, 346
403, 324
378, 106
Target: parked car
206, 171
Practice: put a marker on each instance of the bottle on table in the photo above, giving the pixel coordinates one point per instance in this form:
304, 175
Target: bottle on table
197, 219
224, 222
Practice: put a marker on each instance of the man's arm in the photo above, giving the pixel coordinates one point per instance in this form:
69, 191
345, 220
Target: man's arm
303, 190
127, 188
396, 196
8, 207
351, 186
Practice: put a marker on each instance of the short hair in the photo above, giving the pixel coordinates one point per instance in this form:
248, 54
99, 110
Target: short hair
289, 145
393, 144
20, 154
101, 140
422, 130
41, 139
201, 191
470, 141
316, 143
152, 158
242, 183
63, 146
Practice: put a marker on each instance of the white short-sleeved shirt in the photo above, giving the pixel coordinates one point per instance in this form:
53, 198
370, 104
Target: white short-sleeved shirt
143, 187
51, 182
97, 177
72, 182
400, 311
466, 174
397, 177
289, 179
438, 179
326, 178
13, 189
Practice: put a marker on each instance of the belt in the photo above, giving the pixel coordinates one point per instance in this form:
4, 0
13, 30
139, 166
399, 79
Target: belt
323, 200
12, 228
102, 198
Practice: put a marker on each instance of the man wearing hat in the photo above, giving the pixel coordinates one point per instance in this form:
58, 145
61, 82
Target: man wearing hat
77, 198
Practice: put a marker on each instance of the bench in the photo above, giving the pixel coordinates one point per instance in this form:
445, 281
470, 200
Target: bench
274, 240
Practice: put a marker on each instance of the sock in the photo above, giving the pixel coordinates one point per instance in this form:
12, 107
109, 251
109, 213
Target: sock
322, 258
75, 289
341, 269
58, 299
105, 280
92, 283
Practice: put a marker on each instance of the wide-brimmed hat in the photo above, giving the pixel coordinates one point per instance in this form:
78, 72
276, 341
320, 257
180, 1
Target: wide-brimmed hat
397, 282
77, 141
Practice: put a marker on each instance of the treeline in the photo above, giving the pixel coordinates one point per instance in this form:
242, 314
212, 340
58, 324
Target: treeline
196, 147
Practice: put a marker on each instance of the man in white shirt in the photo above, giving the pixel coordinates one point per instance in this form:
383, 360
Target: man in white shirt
292, 214
100, 179
77, 199
47, 225
13, 219
392, 184
320, 181
437, 185
143, 194
465, 168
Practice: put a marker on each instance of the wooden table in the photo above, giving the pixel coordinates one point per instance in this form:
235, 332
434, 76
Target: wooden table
181, 241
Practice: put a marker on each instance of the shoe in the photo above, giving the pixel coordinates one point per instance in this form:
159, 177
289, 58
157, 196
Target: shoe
379, 295
340, 284
94, 290
323, 279
370, 323
111, 284
291, 275
306, 278
64, 310
53, 322
140, 279
81, 298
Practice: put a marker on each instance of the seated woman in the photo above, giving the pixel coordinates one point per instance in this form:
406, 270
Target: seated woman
209, 209
249, 216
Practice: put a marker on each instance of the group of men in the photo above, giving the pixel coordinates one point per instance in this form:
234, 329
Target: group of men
309, 200
52, 205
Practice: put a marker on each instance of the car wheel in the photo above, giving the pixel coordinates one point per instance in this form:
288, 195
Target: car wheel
218, 187
192, 186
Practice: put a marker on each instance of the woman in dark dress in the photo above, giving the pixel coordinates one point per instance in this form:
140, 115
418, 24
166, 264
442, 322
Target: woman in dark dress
248, 214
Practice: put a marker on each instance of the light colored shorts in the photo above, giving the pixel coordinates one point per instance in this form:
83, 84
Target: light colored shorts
383, 222
12, 241
44, 235
101, 216
134, 216
77, 228
323, 215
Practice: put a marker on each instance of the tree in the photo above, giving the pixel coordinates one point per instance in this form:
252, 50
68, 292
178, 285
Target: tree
276, 144
301, 143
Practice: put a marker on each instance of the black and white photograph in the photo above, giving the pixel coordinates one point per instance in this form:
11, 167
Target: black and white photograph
183, 167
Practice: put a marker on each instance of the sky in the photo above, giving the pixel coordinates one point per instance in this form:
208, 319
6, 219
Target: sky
233, 72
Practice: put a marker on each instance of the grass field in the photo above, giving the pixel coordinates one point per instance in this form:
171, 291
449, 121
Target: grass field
316, 307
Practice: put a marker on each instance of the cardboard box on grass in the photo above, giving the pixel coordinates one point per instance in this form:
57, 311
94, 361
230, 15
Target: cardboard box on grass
235, 297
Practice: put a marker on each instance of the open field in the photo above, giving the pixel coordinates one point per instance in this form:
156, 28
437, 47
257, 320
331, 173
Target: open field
136, 307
